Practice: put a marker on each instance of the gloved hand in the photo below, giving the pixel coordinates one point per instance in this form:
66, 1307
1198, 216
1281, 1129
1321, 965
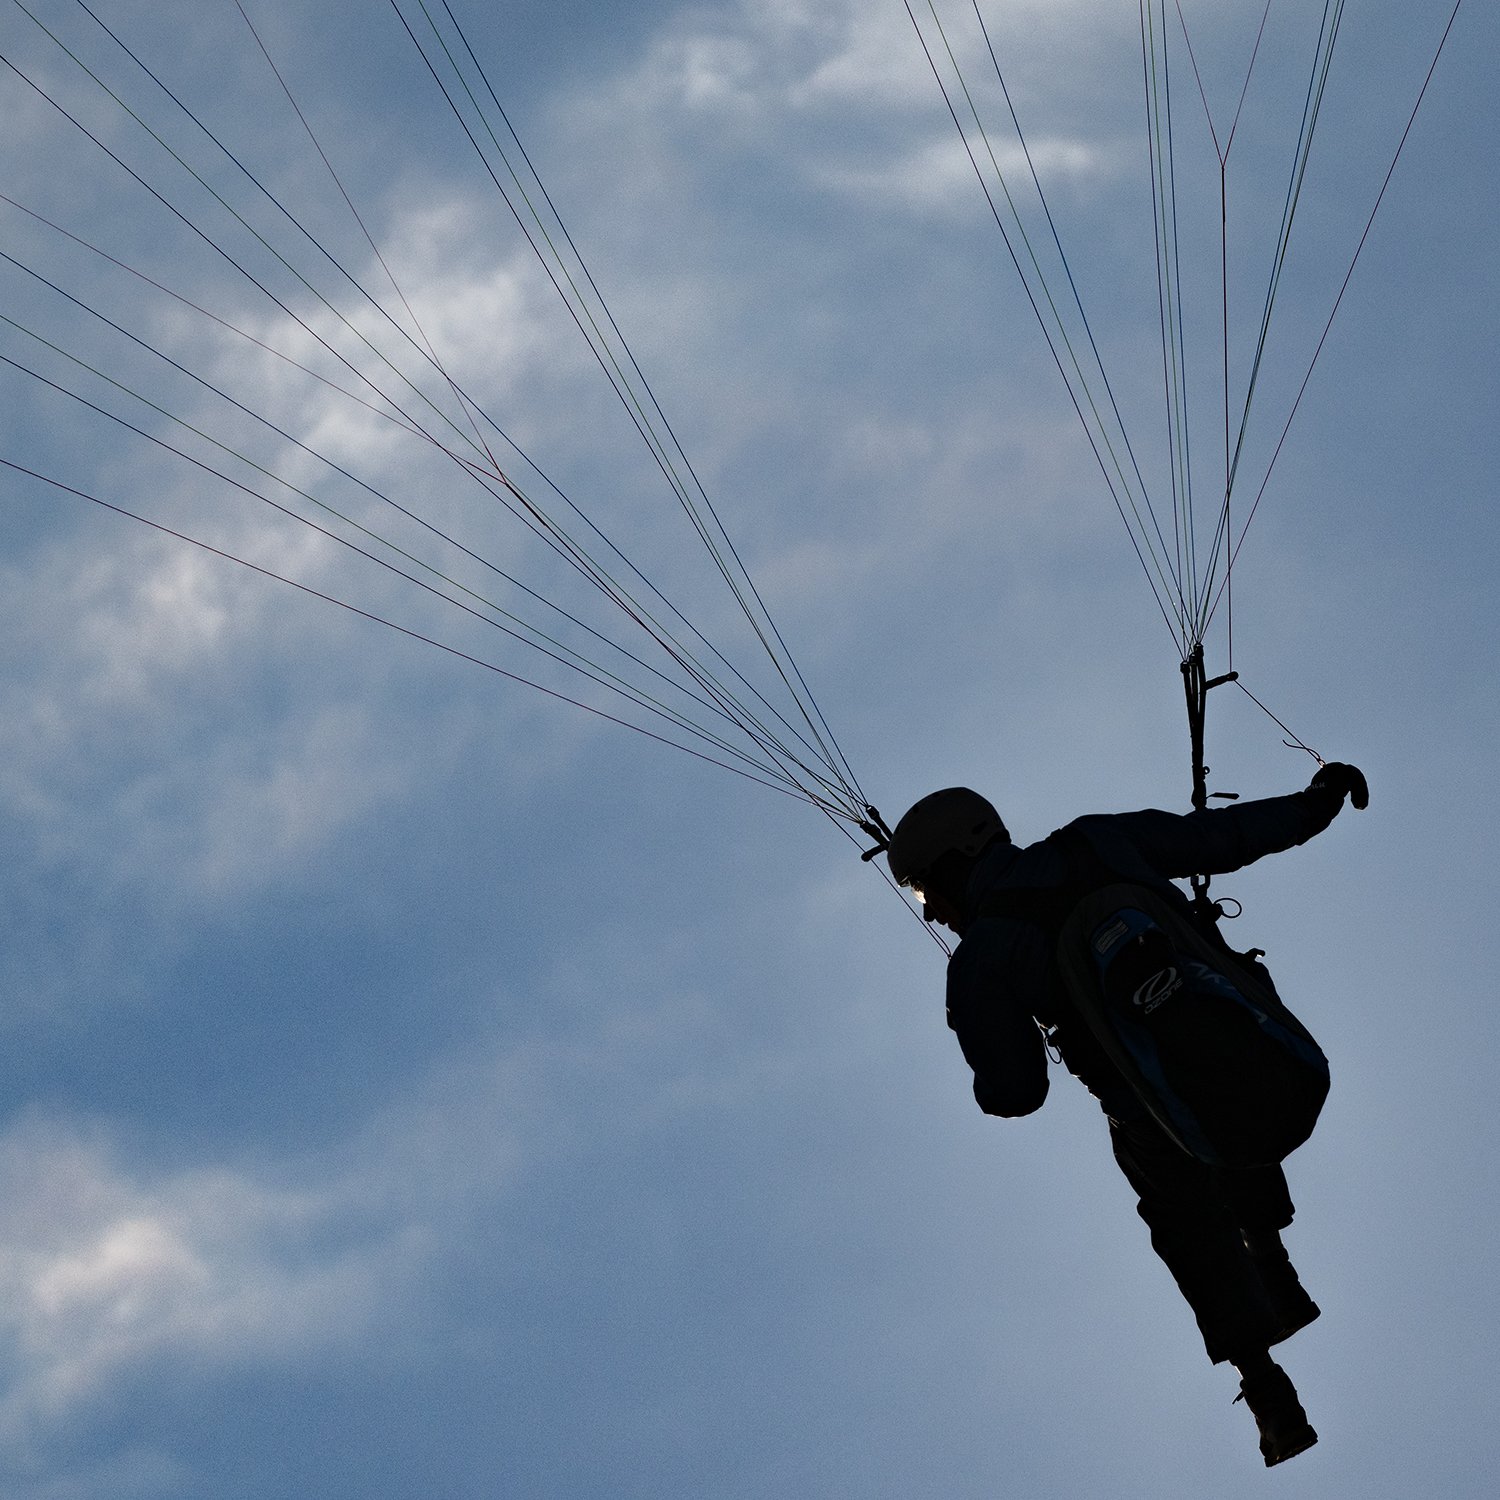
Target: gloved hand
1339, 778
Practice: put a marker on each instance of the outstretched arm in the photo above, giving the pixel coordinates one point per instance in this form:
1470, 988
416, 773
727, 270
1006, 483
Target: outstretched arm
1221, 839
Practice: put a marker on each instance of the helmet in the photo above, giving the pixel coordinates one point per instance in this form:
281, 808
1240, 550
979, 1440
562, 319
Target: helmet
953, 821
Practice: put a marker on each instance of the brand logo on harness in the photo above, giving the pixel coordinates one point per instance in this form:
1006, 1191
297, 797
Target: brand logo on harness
1159, 987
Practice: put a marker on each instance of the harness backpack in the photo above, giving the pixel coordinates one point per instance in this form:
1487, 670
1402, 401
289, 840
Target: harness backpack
1196, 1030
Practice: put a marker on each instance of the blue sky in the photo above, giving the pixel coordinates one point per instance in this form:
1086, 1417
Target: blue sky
416, 1086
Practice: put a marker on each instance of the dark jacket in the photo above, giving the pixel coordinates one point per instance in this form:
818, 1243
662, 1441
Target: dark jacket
1001, 979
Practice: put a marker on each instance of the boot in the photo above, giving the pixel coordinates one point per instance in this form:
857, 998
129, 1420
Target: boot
1284, 1428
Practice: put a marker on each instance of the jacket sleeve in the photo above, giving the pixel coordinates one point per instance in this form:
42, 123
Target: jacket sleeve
1001, 1042
1221, 839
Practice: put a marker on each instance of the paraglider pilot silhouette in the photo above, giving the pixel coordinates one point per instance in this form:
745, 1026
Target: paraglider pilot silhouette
1079, 946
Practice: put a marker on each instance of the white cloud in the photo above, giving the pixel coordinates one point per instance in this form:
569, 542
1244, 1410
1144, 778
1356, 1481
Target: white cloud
773, 56
104, 1270
112, 1271
841, 98
939, 175
263, 812
153, 615
142, 644
490, 316
134, 651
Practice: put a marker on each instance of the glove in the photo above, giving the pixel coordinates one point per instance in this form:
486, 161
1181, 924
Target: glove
1338, 778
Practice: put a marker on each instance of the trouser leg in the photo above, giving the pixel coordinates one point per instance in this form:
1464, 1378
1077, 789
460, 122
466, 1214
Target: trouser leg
1198, 1217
